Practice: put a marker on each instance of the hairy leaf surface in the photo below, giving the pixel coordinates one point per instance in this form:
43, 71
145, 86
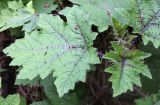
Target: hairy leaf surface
144, 16
126, 68
65, 49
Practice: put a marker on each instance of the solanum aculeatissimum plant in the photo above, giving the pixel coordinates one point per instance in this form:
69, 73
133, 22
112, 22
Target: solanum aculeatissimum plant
60, 46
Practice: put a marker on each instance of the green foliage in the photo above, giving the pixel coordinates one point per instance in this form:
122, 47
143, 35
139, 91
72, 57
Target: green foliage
44, 6
144, 15
17, 14
52, 95
11, 100
152, 85
99, 16
127, 65
59, 53
150, 100
41, 103
47, 53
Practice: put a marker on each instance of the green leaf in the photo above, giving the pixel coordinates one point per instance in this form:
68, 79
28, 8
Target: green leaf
150, 10
29, 7
97, 15
15, 15
127, 67
65, 49
144, 16
41, 103
120, 29
150, 100
44, 6
101, 11
3, 4
152, 85
15, 5
51, 93
27, 81
10, 100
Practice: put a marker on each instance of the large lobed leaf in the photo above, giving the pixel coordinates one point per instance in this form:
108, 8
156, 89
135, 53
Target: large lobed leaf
126, 69
64, 49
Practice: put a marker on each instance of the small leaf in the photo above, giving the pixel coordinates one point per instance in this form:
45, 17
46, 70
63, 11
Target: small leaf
127, 67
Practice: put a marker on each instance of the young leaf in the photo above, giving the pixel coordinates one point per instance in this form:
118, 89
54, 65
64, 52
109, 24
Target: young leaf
60, 48
127, 67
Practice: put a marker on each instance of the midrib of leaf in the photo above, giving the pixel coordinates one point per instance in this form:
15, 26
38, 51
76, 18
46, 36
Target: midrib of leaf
144, 26
147, 25
122, 69
70, 73
69, 48
84, 48
140, 14
82, 34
